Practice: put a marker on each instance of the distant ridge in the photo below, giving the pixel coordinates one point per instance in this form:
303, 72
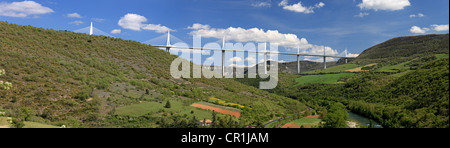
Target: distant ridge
404, 48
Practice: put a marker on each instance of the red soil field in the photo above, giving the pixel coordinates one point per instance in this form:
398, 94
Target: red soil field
223, 111
293, 126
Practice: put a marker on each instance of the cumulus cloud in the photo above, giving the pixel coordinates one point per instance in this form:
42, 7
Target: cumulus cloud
418, 30
423, 30
352, 55
250, 35
198, 26
235, 59
74, 15
440, 27
157, 28
116, 31
136, 22
389, 5
299, 8
23, 9
132, 22
260, 36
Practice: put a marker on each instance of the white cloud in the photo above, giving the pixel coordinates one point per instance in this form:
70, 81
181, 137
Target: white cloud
418, 30
157, 28
136, 22
260, 36
319, 59
132, 21
116, 31
74, 15
352, 55
198, 26
390, 5
23, 9
416, 15
299, 8
251, 35
235, 59
362, 14
76, 23
250, 59
440, 27
262, 4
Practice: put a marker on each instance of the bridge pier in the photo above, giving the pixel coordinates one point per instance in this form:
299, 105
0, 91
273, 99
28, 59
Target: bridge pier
298, 64
223, 63
324, 62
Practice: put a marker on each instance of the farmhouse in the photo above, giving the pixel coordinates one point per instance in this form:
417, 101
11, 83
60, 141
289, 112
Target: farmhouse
205, 123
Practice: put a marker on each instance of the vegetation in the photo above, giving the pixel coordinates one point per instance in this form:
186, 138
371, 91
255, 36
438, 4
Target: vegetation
307, 122
336, 69
403, 49
78, 80
404, 90
322, 79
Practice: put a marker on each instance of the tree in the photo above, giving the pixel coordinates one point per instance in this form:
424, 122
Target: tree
214, 119
307, 113
371, 125
324, 113
18, 123
167, 104
4, 85
337, 116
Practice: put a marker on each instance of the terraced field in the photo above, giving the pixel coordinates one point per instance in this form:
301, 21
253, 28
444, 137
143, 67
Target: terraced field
322, 79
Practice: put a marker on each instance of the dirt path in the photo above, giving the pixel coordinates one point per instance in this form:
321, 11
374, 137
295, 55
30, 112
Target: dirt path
219, 110
359, 69
4, 126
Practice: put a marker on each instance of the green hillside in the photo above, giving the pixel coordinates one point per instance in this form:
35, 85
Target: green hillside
403, 87
74, 79
403, 49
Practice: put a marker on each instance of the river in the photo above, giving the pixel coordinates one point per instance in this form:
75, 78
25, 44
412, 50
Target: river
362, 120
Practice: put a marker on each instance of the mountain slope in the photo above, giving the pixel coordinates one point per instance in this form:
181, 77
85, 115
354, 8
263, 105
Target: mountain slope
62, 76
404, 48
407, 90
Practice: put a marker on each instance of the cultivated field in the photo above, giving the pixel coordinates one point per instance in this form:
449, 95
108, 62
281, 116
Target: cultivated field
322, 79
219, 110
155, 107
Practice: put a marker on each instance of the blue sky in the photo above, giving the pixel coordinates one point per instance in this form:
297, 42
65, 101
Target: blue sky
333, 25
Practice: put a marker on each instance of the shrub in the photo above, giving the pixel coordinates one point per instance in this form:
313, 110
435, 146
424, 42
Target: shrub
83, 95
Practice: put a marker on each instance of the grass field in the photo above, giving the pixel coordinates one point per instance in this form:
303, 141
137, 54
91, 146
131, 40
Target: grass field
3, 122
307, 122
394, 68
322, 79
38, 125
339, 68
153, 107
441, 56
